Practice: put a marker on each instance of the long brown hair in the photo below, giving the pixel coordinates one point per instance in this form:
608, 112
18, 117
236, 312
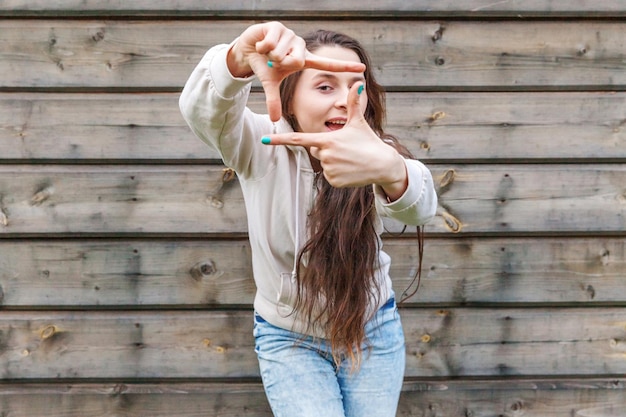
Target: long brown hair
335, 279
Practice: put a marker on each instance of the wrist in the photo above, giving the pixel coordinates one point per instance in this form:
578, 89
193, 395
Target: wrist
397, 180
237, 63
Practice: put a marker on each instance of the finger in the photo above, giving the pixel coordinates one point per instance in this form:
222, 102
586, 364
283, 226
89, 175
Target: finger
329, 64
271, 37
272, 100
354, 101
293, 61
278, 43
296, 139
315, 152
289, 59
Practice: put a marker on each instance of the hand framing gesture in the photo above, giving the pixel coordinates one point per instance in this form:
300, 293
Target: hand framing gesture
354, 155
272, 52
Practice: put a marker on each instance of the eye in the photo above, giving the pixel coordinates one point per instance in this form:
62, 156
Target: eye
324, 87
363, 81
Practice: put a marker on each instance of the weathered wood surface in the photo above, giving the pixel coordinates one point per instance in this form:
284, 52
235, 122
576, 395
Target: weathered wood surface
323, 8
120, 199
194, 199
213, 344
417, 55
172, 273
126, 288
435, 126
484, 398
515, 398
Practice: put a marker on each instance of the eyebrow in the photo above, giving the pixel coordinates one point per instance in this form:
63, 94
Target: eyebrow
331, 76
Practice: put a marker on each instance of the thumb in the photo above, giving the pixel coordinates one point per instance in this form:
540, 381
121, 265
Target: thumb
354, 102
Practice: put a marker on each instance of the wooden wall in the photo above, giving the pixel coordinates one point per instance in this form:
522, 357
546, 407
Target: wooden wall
125, 282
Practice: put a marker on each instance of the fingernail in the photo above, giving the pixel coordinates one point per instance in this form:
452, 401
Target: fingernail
360, 90
265, 140
270, 64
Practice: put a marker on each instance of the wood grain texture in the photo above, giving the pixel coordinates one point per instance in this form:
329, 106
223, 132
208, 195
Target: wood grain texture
514, 398
324, 8
219, 344
411, 55
528, 398
125, 276
172, 273
174, 199
121, 199
435, 126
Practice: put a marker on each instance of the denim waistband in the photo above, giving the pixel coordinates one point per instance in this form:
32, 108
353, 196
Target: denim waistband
389, 304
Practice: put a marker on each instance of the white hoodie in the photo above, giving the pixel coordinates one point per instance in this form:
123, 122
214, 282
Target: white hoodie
278, 185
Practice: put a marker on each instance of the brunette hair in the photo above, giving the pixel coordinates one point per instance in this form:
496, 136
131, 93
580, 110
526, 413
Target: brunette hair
336, 282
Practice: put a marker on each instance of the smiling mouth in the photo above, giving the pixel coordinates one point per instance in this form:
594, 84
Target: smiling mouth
335, 124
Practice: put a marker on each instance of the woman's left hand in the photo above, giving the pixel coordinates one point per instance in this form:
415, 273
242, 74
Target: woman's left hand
353, 156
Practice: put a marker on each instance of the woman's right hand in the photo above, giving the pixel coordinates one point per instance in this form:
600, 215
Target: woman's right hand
275, 43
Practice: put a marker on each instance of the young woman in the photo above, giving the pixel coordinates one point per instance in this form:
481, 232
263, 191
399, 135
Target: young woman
316, 173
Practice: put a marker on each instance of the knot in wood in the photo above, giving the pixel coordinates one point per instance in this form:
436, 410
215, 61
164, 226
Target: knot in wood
203, 269
604, 257
228, 174
98, 36
517, 407
447, 178
48, 331
119, 389
425, 338
438, 34
216, 202
216, 198
41, 196
451, 223
437, 116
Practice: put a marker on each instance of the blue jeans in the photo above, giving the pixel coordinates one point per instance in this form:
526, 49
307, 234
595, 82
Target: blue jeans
301, 379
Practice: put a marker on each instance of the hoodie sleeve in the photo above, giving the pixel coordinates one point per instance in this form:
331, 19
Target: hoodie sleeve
213, 103
418, 204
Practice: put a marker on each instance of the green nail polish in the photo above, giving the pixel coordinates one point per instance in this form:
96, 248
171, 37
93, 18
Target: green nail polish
360, 90
270, 64
265, 140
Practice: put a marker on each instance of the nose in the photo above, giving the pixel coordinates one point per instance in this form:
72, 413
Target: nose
342, 98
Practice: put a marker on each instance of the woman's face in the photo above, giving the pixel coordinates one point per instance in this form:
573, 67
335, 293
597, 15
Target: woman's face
320, 98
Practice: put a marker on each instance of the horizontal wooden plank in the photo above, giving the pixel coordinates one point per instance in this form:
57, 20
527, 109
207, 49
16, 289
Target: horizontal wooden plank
323, 8
212, 344
534, 198
490, 126
131, 199
200, 273
530, 398
511, 398
137, 199
422, 55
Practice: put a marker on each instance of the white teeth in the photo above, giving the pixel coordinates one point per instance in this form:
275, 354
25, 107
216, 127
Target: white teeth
338, 122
